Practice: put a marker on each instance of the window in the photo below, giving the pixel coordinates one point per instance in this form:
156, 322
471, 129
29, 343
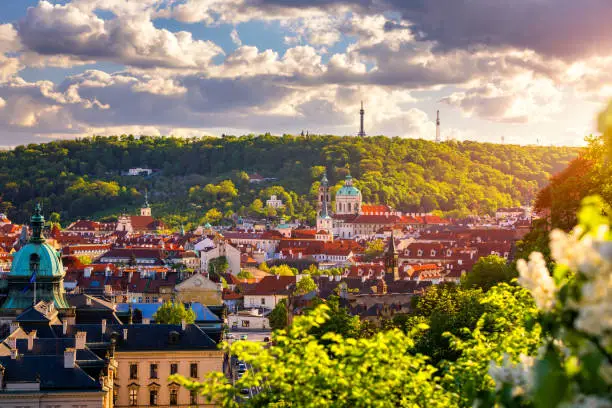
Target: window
34, 262
152, 397
193, 398
133, 397
193, 370
133, 371
153, 371
115, 396
263, 301
173, 397
245, 323
173, 368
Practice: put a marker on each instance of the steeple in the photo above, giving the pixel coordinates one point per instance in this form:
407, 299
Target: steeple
324, 196
438, 138
361, 129
36, 223
392, 258
146, 209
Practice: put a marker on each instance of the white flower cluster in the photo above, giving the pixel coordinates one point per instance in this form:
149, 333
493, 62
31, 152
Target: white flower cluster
535, 277
591, 255
519, 375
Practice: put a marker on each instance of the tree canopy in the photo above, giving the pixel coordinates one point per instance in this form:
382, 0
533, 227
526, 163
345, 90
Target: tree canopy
174, 313
193, 177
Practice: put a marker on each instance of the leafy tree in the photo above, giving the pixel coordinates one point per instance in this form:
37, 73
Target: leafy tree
244, 274
488, 271
174, 313
264, 267
278, 315
54, 218
298, 370
282, 270
218, 266
213, 216
339, 321
304, 285
374, 249
84, 259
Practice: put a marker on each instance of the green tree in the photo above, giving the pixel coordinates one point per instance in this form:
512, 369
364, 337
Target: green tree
297, 370
282, 270
488, 271
213, 216
174, 313
278, 315
304, 285
264, 267
374, 249
244, 274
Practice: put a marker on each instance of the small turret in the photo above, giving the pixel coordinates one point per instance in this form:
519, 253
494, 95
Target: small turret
36, 223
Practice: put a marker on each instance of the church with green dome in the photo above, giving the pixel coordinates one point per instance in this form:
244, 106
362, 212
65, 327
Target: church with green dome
37, 273
348, 198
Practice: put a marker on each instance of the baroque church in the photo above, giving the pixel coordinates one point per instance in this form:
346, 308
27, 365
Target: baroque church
351, 217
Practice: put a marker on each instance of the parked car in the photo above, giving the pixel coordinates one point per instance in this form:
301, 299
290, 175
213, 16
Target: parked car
245, 393
230, 336
242, 367
244, 337
266, 339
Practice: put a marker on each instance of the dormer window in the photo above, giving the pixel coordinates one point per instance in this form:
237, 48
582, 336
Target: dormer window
420, 252
433, 252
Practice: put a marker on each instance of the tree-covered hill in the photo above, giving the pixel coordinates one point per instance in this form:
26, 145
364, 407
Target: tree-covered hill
81, 178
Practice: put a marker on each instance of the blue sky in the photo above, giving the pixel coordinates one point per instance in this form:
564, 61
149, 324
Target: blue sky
205, 67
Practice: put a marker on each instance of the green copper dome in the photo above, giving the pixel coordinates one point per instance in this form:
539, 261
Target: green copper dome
40, 257
37, 273
348, 189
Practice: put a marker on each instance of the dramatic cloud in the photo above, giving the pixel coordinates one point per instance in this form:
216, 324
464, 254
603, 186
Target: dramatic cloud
132, 39
483, 63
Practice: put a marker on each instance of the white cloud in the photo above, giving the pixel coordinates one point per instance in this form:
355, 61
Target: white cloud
235, 37
518, 99
132, 40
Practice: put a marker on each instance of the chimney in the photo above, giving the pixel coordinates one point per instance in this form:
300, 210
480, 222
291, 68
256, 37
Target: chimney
125, 333
103, 326
31, 337
146, 320
277, 277
65, 327
183, 324
69, 357
14, 326
338, 277
80, 338
14, 354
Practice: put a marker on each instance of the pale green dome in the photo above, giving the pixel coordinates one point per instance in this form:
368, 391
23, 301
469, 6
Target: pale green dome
37, 256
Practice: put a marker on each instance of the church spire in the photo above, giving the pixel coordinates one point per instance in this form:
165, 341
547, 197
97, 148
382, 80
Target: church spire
361, 128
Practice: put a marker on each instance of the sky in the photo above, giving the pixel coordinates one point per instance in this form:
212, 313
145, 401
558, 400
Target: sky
525, 71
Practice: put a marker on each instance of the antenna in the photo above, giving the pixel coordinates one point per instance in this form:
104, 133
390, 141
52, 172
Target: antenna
361, 129
438, 139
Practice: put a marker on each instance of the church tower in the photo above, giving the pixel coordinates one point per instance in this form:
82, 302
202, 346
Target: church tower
323, 197
324, 221
37, 273
392, 259
145, 211
438, 137
361, 129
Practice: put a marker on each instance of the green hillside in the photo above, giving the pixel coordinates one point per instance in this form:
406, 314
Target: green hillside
83, 178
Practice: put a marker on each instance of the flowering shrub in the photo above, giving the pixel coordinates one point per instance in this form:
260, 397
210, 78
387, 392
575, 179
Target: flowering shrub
574, 365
